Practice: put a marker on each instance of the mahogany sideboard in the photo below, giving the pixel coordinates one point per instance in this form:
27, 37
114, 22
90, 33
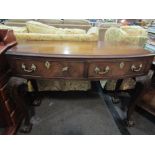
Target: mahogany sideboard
11, 112
77, 60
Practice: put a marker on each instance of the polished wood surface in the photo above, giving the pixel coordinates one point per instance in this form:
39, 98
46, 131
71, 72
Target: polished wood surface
11, 111
75, 49
92, 69
77, 60
87, 57
83, 60
7, 40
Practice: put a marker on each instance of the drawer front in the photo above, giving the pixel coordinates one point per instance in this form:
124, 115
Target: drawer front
117, 69
70, 69
47, 68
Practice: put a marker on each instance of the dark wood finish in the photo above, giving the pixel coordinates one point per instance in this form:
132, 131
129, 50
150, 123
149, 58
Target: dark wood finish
114, 65
135, 93
74, 49
146, 99
11, 112
7, 40
35, 98
4, 93
72, 60
77, 68
153, 77
74, 69
79, 60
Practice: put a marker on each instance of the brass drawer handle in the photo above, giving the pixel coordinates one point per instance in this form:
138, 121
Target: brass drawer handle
33, 68
98, 70
47, 65
136, 69
64, 69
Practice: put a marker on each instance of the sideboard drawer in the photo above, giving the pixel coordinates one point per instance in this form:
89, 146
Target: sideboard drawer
47, 68
101, 69
119, 68
79, 68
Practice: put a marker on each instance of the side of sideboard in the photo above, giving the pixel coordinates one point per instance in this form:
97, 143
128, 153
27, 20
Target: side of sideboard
11, 112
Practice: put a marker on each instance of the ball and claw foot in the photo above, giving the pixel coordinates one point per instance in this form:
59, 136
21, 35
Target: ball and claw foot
36, 102
115, 100
130, 123
26, 128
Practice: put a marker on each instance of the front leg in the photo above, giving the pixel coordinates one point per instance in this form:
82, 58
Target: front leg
28, 109
35, 99
131, 107
29, 112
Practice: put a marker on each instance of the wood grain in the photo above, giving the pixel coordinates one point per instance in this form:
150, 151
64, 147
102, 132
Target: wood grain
8, 106
80, 59
75, 49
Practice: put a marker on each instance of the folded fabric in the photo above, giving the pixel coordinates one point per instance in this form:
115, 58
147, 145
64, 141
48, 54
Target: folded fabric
63, 85
93, 31
134, 30
111, 85
126, 35
127, 84
39, 31
66, 37
76, 21
107, 25
37, 27
18, 20
135, 40
15, 29
51, 21
115, 36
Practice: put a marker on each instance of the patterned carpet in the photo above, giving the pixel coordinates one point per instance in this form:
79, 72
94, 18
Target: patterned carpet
85, 113
73, 113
